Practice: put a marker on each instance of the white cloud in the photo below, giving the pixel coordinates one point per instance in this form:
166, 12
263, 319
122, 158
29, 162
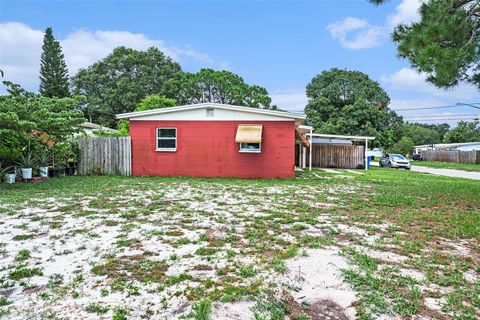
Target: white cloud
21, 47
407, 79
397, 104
20, 50
293, 99
354, 33
406, 12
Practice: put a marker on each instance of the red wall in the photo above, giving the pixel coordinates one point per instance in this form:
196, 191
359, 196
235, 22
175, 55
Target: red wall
208, 149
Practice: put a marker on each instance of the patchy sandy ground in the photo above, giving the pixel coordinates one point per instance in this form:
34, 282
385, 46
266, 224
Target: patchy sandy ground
152, 250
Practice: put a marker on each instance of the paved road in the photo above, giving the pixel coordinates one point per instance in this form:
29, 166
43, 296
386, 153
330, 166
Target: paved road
444, 172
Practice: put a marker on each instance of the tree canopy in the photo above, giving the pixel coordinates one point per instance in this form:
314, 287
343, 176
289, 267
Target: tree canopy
53, 70
155, 102
31, 121
148, 103
444, 44
349, 102
118, 82
464, 132
403, 146
425, 133
225, 87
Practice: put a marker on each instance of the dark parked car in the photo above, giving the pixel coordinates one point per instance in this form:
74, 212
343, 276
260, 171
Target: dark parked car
395, 161
417, 157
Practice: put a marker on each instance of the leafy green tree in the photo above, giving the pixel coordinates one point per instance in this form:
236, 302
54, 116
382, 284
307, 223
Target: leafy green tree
421, 135
53, 70
31, 121
225, 87
120, 81
149, 103
464, 132
440, 129
349, 102
155, 102
403, 146
444, 44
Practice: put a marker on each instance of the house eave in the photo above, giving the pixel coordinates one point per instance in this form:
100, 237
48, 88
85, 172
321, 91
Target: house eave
281, 114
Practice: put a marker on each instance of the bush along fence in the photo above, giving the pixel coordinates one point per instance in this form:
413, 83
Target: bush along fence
451, 156
105, 155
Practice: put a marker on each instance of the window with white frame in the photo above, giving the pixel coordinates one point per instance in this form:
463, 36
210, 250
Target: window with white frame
166, 139
250, 147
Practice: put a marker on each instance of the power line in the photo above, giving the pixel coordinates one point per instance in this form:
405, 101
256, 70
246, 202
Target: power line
443, 115
423, 108
442, 119
469, 104
459, 104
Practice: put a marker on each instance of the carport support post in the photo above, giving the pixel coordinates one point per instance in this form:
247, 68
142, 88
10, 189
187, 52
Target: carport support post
304, 157
300, 155
310, 155
366, 157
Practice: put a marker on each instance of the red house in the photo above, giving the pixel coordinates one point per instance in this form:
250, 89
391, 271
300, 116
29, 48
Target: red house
213, 140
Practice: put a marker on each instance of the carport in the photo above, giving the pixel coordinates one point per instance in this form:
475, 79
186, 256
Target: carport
333, 151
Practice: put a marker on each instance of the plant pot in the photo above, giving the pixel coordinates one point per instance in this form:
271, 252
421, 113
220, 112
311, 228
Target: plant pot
10, 178
26, 173
52, 173
70, 171
43, 171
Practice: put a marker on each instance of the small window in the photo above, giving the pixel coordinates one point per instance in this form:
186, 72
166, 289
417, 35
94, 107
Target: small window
166, 139
210, 112
250, 147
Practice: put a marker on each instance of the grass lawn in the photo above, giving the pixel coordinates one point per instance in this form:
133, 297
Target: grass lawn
389, 243
448, 165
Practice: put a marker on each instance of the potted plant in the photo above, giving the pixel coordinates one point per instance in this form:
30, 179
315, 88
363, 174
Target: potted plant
59, 158
43, 160
72, 155
27, 161
70, 169
8, 173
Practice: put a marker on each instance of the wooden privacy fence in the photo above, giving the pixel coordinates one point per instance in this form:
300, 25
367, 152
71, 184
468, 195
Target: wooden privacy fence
335, 156
451, 156
105, 155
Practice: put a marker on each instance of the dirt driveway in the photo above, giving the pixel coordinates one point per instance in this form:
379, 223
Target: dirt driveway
443, 172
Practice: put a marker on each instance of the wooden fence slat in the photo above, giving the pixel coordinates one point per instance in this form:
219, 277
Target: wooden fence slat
451, 156
335, 156
105, 155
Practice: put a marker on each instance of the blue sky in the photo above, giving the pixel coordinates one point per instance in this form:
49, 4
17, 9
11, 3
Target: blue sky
278, 45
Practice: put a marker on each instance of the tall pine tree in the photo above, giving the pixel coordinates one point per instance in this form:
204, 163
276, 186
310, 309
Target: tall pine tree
53, 70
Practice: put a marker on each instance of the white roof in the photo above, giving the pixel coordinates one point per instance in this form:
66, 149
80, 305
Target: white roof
91, 125
448, 145
340, 137
304, 128
178, 109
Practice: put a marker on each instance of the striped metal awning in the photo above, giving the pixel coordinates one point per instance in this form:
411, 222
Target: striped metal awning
249, 133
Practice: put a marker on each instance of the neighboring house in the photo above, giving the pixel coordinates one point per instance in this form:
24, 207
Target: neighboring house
375, 152
464, 146
213, 140
90, 129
